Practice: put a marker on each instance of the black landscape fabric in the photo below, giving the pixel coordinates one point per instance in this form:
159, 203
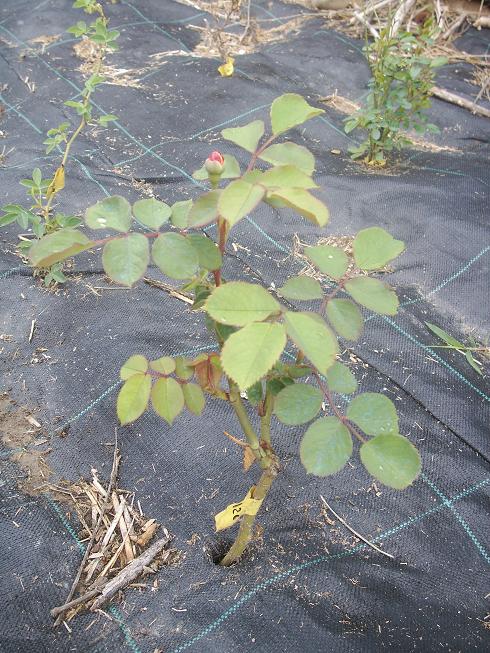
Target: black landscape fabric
308, 585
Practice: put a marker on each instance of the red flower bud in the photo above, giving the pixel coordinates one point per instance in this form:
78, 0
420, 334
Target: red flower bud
216, 156
214, 164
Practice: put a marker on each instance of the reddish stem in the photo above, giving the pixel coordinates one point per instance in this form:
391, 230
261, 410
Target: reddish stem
337, 413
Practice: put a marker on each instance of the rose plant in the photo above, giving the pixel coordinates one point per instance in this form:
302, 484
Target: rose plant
254, 327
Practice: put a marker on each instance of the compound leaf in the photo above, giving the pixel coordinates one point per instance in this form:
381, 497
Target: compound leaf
135, 364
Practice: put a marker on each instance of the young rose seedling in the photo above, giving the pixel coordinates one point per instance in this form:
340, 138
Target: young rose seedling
40, 217
271, 360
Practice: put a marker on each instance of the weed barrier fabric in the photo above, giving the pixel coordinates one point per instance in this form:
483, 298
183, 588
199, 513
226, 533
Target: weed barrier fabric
306, 585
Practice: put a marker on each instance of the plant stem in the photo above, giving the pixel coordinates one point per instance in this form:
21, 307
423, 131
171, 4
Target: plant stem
247, 428
246, 524
265, 419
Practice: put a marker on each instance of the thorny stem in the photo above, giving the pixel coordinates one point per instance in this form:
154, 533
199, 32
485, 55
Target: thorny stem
247, 428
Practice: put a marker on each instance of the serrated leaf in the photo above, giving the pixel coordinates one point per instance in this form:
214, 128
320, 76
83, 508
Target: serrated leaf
247, 137
175, 256
167, 399
274, 386
180, 213
298, 403
326, 447
287, 176
133, 397
443, 335
374, 248
301, 288
290, 110
345, 317
125, 259
164, 365
251, 352
303, 203
204, 210
238, 199
290, 153
136, 364
391, 459
58, 246
374, 413
313, 337
254, 393
151, 212
231, 169
373, 294
207, 252
110, 213
330, 260
340, 379
239, 303
194, 398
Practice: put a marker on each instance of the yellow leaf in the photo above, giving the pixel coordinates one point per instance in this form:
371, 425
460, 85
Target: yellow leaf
58, 182
226, 69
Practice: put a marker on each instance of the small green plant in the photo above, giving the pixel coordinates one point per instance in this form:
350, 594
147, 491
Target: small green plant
271, 361
399, 92
40, 217
456, 345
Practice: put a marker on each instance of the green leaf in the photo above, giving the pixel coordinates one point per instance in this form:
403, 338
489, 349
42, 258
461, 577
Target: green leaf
164, 365
231, 169
110, 213
290, 110
373, 294
194, 398
238, 199
391, 459
57, 247
288, 176
251, 352
8, 218
204, 210
374, 248
175, 256
346, 318
313, 337
136, 364
207, 252
298, 403
274, 386
125, 259
302, 288
374, 413
180, 213
303, 203
443, 335
330, 260
182, 369
167, 399
107, 118
255, 393
247, 137
474, 364
239, 303
340, 379
133, 397
37, 176
326, 447
151, 212
290, 153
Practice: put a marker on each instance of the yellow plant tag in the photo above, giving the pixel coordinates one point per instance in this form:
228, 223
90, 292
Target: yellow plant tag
58, 182
226, 69
232, 513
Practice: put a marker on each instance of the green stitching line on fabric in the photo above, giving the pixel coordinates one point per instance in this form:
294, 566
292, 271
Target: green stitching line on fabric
274, 579
19, 113
481, 549
119, 618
